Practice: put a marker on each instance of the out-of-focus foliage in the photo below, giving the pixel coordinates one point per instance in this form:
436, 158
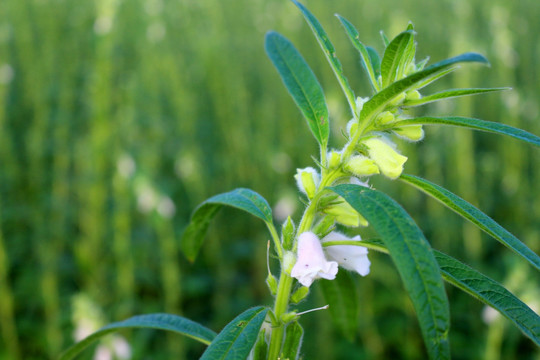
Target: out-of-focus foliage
118, 117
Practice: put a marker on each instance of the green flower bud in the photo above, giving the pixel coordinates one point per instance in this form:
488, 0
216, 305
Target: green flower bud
287, 234
334, 159
289, 259
382, 152
413, 95
411, 132
398, 100
300, 294
288, 317
385, 117
325, 226
346, 215
308, 180
360, 165
272, 284
410, 69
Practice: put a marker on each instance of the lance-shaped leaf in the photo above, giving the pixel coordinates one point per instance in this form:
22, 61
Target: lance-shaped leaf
238, 337
475, 124
448, 94
329, 52
480, 287
367, 62
413, 258
490, 293
477, 217
341, 295
301, 84
395, 56
167, 322
380, 100
243, 199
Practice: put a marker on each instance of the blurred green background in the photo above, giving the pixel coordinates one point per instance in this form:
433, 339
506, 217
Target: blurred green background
118, 117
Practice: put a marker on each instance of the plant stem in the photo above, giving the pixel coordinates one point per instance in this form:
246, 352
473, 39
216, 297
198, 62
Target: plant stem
285, 280
280, 308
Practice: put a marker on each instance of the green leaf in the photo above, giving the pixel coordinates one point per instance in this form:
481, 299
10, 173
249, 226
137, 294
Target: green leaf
243, 199
394, 57
475, 124
329, 52
367, 63
375, 61
413, 258
238, 337
293, 341
168, 322
380, 100
449, 94
301, 84
385, 39
471, 213
490, 293
434, 77
480, 287
341, 295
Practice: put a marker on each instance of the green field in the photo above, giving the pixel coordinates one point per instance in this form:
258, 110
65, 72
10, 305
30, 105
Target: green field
117, 118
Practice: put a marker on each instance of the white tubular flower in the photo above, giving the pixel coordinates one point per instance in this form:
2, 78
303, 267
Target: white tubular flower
350, 257
308, 180
311, 263
382, 152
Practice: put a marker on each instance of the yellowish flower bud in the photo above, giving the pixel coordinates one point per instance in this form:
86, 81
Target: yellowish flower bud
360, 165
385, 117
308, 180
346, 215
382, 152
411, 132
334, 159
413, 95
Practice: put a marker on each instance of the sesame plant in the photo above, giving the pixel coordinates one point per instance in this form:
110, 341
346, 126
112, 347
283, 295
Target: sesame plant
338, 197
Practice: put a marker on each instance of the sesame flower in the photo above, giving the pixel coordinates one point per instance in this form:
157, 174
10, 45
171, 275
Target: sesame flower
350, 257
311, 263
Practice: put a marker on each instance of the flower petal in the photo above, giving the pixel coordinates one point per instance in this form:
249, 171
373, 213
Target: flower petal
311, 263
